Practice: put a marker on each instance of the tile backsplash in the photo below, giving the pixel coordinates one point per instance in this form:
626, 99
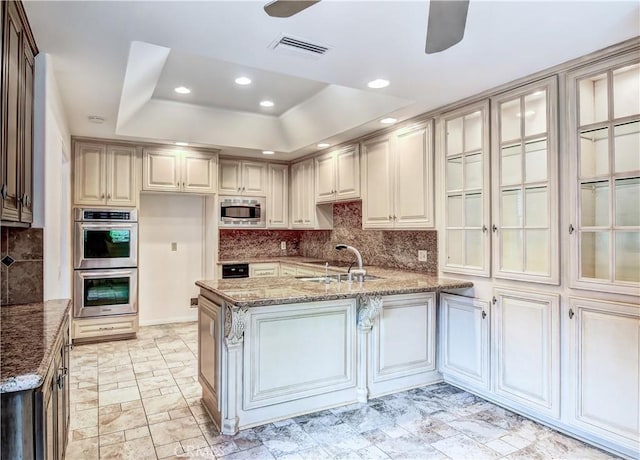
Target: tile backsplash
393, 249
21, 265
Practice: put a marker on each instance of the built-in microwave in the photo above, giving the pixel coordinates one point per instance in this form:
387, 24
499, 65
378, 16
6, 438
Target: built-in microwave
239, 211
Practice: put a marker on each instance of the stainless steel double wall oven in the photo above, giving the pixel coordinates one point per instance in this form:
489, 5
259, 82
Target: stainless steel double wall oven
105, 262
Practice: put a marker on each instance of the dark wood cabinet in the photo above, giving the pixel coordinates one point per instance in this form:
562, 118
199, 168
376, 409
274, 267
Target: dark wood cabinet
16, 128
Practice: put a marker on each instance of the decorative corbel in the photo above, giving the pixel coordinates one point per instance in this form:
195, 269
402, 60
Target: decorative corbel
369, 308
235, 321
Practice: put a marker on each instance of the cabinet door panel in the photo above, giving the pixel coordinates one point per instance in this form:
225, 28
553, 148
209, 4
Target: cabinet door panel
377, 171
278, 215
229, 177
254, 179
605, 373
325, 177
465, 348
89, 174
121, 176
526, 349
198, 173
26, 186
161, 171
209, 341
414, 195
347, 185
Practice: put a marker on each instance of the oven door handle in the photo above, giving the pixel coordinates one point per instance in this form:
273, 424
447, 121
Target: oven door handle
103, 226
105, 274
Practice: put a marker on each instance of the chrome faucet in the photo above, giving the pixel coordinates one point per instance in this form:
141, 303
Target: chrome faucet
360, 272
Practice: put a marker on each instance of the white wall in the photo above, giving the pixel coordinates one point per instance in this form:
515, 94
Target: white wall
166, 278
52, 180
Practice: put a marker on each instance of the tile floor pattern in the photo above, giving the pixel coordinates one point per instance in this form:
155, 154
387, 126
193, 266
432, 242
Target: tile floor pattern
140, 399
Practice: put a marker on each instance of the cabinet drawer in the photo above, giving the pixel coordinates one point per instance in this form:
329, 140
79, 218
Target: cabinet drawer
83, 329
287, 270
263, 270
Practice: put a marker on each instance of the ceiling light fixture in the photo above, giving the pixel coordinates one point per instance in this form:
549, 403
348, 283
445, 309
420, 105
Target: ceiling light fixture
182, 90
268, 152
243, 81
97, 119
266, 103
388, 121
182, 144
378, 83
323, 145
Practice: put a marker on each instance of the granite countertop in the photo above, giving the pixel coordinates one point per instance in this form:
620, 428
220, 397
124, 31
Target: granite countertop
27, 335
286, 259
257, 292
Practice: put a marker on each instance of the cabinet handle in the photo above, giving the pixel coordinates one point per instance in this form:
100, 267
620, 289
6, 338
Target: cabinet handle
3, 191
28, 198
183, 185
102, 196
239, 188
108, 196
494, 300
494, 228
243, 189
571, 229
395, 218
484, 229
484, 314
105, 328
390, 217
571, 313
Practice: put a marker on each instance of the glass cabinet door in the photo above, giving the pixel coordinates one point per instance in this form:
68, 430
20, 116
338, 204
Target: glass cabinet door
605, 144
525, 202
465, 135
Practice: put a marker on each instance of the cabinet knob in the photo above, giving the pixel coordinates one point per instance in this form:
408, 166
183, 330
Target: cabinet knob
395, 218
183, 185
239, 188
571, 229
390, 217
484, 314
108, 196
484, 229
495, 229
102, 196
571, 313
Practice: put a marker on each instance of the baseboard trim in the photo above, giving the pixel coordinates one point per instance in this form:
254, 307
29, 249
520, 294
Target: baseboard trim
175, 319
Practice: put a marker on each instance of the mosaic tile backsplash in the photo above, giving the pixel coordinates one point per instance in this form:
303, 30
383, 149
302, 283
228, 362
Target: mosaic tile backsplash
21, 265
392, 249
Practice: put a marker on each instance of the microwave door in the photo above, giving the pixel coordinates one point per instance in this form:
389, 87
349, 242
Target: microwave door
105, 245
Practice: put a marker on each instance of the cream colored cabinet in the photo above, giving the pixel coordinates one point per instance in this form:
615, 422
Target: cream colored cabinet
105, 175
103, 327
337, 175
263, 270
604, 138
287, 270
210, 339
303, 210
526, 350
525, 183
240, 177
604, 369
465, 172
278, 196
397, 179
464, 347
179, 171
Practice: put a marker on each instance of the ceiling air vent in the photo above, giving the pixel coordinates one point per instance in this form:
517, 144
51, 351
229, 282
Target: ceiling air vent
293, 45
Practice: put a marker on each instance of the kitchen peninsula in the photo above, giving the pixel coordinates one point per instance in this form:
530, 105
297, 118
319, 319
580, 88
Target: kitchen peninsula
272, 348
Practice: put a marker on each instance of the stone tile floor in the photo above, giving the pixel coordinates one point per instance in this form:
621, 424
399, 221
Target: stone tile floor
140, 399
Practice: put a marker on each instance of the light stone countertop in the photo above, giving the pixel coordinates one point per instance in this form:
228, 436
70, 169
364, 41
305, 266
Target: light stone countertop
258, 292
27, 335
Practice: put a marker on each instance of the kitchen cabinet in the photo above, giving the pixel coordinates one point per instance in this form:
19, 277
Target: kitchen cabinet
525, 183
105, 327
16, 122
303, 210
241, 177
182, 171
287, 270
467, 241
210, 334
263, 270
464, 346
278, 196
397, 179
337, 175
604, 369
105, 174
526, 350
604, 141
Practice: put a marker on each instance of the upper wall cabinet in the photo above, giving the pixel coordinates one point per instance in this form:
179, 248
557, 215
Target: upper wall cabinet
304, 212
465, 141
525, 183
16, 122
239, 177
278, 197
604, 136
105, 175
397, 179
338, 175
179, 171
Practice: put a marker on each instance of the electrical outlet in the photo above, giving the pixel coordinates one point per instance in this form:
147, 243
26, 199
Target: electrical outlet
174, 246
283, 245
422, 256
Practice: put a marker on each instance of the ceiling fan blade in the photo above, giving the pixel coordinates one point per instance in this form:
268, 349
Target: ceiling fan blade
287, 8
445, 28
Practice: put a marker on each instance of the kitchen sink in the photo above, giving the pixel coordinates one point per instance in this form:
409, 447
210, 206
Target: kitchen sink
333, 278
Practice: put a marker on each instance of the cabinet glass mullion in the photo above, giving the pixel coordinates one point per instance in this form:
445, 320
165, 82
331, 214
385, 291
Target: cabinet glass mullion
607, 111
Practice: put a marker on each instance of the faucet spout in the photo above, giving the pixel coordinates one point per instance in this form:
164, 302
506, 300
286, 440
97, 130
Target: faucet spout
360, 272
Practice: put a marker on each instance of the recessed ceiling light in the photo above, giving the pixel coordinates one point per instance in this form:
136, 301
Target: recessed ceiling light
267, 103
388, 121
182, 90
378, 83
268, 152
96, 119
323, 145
182, 144
243, 81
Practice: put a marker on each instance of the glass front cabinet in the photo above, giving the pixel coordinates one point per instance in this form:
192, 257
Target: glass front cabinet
604, 136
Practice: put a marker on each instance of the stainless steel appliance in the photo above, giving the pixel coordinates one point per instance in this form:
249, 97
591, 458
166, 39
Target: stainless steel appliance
239, 211
105, 238
105, 292
230, 271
